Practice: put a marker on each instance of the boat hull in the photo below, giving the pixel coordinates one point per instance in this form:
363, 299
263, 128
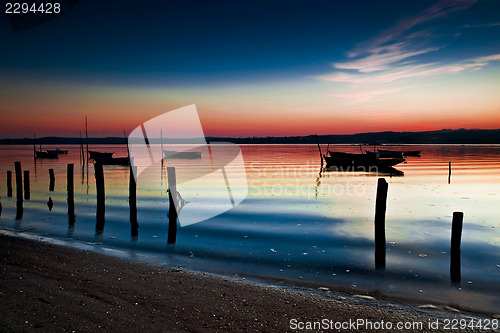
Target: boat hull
97, 154
360, 161
112, 160
46, 154
170, 154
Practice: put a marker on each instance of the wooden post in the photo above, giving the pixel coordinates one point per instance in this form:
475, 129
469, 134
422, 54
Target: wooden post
172, 211
87, 141
320, 154
26, 184
449, 172
456, 237
99, 182
9, 183
19, 190
380, 208
71, 193
132, 201
52, 180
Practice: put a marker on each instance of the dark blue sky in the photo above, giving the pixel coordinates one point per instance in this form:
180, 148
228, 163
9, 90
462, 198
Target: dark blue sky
207, 44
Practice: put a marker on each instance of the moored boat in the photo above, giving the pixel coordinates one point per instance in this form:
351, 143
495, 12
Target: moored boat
172, 154
112, 160
386, 153
405, 153
96, 154
357, 161
46, 154
57, 151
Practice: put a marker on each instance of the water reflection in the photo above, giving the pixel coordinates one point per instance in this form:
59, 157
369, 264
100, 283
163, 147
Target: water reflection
300, 221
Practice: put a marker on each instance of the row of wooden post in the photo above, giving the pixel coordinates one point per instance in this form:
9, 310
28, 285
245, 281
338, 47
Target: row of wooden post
380, 241
100, 189
380, 210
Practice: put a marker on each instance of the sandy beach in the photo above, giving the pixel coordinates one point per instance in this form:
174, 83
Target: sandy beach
51, 288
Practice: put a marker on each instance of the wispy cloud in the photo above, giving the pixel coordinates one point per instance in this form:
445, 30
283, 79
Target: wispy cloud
381, 58
439, 9
373, 67
362, 96
268, 101
410, 71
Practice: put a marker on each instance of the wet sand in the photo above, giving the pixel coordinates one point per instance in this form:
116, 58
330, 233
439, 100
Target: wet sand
51, 288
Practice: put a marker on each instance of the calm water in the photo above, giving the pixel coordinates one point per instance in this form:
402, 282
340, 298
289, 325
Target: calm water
296, 224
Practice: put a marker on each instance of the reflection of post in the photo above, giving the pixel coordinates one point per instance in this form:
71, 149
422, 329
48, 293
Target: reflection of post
19, 190
52, 180
132, 201
26, 184
456, 236
99, 182
380, 208
9, 183
71, 195
172, 211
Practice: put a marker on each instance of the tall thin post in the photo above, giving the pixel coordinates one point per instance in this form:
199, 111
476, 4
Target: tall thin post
27, 184
9, 183
320, 154
87, 140
19, 190
172, 211
52, 180
132, 200
456, 238
99, 182
71, 193
449, 172
380, 208
34, 148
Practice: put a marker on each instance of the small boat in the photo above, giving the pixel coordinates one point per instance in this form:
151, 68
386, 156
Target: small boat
46, 154
172, 154
97, 154
405, 153
57, 151
357, 161
112, 160
386, 153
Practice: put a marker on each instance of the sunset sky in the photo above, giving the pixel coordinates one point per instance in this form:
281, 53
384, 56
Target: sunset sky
255, 68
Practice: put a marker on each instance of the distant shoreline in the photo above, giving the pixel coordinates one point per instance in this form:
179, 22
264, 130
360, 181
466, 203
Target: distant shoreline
444, 136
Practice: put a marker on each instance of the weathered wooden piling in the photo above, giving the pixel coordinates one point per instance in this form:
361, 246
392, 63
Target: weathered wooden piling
132, 201
71, 193
456, 238
52, 180
9, 183
101, 207
172, 211
19, 190
320, 154
449, 172
380, 208
27, 185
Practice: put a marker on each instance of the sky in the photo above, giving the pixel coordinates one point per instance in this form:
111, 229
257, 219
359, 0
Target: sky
254, 68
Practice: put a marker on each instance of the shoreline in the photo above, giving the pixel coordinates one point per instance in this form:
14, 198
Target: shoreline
55, 287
